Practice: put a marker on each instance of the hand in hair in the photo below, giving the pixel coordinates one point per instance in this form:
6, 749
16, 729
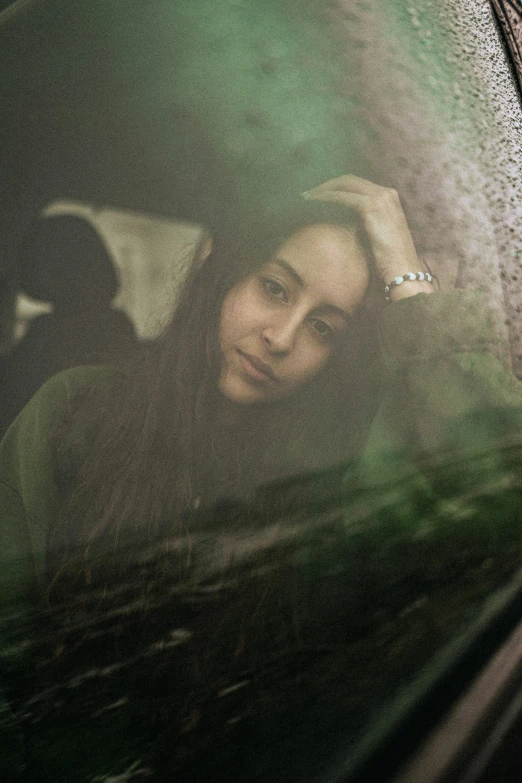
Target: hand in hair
388, 232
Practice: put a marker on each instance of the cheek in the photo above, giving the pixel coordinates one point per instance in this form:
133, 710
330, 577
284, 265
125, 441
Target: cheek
239, 314
310, 360
231, 318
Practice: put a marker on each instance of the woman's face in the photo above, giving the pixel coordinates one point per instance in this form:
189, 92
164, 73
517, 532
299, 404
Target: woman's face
278, 327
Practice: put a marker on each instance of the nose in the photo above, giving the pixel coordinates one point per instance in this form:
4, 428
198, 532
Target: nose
280, 334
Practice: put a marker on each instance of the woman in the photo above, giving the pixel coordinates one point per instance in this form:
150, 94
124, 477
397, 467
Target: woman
268, 370
263, 351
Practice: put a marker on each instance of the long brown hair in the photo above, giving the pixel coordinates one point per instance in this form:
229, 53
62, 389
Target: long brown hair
156, 442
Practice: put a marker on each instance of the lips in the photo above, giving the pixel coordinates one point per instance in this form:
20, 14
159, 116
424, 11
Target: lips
256, 368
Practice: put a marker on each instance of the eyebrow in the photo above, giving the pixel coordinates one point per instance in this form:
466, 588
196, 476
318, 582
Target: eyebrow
291, 271
301, 283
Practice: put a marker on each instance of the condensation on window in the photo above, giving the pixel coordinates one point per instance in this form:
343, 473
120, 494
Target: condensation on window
444, 119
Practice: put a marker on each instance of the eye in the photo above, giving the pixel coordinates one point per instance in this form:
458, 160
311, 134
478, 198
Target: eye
274, 289
322, 329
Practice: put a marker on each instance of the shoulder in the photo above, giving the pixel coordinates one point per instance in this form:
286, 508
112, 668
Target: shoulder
59, 395
29, 440
67, 384
77, 402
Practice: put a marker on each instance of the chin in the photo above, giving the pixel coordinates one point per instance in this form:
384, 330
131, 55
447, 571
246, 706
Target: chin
241, 397
242, 393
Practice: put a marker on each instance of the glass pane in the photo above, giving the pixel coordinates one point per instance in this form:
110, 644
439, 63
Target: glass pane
283, 562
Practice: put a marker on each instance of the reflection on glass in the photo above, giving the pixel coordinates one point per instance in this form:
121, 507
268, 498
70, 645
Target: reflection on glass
254, 547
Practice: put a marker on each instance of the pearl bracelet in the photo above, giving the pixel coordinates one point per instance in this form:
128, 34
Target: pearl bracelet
406, 278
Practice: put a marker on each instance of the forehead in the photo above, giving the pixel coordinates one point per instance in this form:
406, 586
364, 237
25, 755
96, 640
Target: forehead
331, 263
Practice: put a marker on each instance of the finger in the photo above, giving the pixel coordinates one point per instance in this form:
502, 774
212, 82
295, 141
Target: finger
356, 201
349, 183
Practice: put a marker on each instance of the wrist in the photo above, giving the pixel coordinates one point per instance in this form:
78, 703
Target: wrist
410, 288
408, 284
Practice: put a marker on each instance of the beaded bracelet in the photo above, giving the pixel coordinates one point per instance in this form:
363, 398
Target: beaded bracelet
407, 277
